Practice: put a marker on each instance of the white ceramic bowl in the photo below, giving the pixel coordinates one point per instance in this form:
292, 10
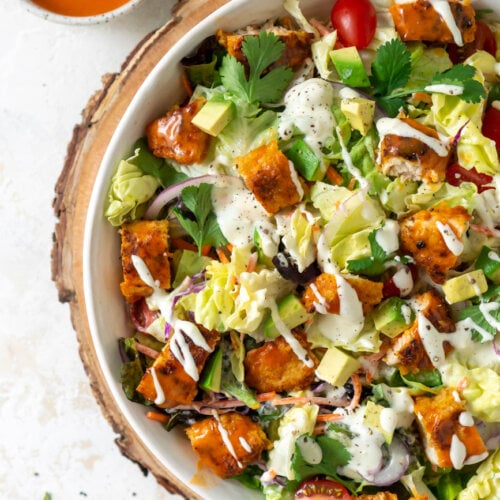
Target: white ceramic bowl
102, 273
80, 20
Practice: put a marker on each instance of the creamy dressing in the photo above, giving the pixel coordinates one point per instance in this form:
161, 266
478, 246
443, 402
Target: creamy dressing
388, 420
465, 419
245, 445
387, 236
406, 312
308, 108
320, 303
310, 450
295, 179
442, 88
486, 309
458, 452
395, 126
225, 438
160, 395
403, 280
454, 244
402, 404
353, 170
442, 7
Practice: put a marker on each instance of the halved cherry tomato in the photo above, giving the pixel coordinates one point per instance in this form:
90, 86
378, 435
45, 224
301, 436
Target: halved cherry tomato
484, 40
456, 174
491, 125
390, 289
322, 489
355, 22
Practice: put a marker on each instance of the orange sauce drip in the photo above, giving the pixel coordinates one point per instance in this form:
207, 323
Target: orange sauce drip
80, 8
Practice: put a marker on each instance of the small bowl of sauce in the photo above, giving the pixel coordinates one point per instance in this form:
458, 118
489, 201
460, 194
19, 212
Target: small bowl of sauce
80, 11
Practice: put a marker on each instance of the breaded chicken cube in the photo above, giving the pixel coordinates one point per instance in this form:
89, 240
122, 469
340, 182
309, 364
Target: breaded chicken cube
148, 240
434, 238
407, 351
174, 137
381, 495
274, 366
177, 386
448, 430
322, 293
297, 44
228, 442
419, 21
271, 177
412, 159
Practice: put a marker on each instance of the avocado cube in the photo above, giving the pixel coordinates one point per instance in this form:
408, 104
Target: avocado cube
359, 112
349, 66
489, 262
305, 160
465, 286
393, 316
212, 373
291, 311
381, 419
213, 117
336, 367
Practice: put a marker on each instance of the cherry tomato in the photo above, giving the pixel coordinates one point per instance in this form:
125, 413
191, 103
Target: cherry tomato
355, 22
322, 489
484, 40
456, 174
491, 125
390, 288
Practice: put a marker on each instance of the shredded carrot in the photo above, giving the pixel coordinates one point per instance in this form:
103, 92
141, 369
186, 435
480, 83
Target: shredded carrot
358, 387
144, 349
222, 255
183, 244
157, 417
252, 263
205, 250
463, 383
329, 417
230, 247
333, 176
423, 97
266, 396
290, 401
187, 85
352, 184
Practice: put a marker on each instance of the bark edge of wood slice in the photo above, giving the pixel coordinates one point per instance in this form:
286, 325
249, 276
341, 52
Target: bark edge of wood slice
72, 195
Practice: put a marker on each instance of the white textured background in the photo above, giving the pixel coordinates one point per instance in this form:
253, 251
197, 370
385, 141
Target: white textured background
53, 437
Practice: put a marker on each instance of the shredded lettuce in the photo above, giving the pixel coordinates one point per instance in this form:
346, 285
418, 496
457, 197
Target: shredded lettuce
485, 484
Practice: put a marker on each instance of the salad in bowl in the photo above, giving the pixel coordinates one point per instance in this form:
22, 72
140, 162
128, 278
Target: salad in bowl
308, 230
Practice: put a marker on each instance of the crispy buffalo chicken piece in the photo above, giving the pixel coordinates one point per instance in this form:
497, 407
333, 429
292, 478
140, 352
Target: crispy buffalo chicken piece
323, 293
407, 351
209, 440
174, 137
297, 45
275, 367
178, 387
271, 177
419, 21
381, 495
422, 236
411, 159
444, 431
149, 241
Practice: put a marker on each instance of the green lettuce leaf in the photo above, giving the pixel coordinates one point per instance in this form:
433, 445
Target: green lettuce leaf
485, 485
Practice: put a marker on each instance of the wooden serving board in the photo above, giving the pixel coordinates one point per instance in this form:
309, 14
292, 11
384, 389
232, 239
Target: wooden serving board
72, 194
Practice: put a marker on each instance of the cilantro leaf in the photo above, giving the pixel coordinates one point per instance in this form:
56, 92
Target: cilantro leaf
334, 454
201, 224
372, 265
391, 68
462, 75
260, 51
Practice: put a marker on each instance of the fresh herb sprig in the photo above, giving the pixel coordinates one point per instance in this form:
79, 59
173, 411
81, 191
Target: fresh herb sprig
260, 86
201, 223
391, 71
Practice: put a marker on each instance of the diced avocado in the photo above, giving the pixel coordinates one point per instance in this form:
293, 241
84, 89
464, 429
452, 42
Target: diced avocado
360, 112
349, 66
393, 316
465, 286
213, 117
210, 379
305, 160
489, 262
292, 312
336, 367
262, 257
186, 263
381, 419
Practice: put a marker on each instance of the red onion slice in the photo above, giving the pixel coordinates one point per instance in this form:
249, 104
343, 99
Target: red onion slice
399, 459
174, 191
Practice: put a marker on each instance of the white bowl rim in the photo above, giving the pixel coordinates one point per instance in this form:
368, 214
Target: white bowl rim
80, 20
94, 215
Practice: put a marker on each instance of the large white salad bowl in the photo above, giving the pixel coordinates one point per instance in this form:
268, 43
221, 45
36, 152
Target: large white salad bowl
101, 267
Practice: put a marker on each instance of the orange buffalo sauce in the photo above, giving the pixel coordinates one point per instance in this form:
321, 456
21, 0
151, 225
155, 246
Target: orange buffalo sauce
80, 8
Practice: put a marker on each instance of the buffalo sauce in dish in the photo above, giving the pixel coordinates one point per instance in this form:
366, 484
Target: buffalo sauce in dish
80, 8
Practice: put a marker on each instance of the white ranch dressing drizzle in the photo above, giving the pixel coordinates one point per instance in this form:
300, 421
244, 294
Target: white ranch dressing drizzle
286, 333
225, 438
403, 280
454, 244
395, 126
310, 450
486, 309
295, 179
493, 256
474, 459
442, 88
353, 170
388, 420
161, 300
458, 452
245, 445
465, 419
406, 312
160, 395
320, 304
387, 236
